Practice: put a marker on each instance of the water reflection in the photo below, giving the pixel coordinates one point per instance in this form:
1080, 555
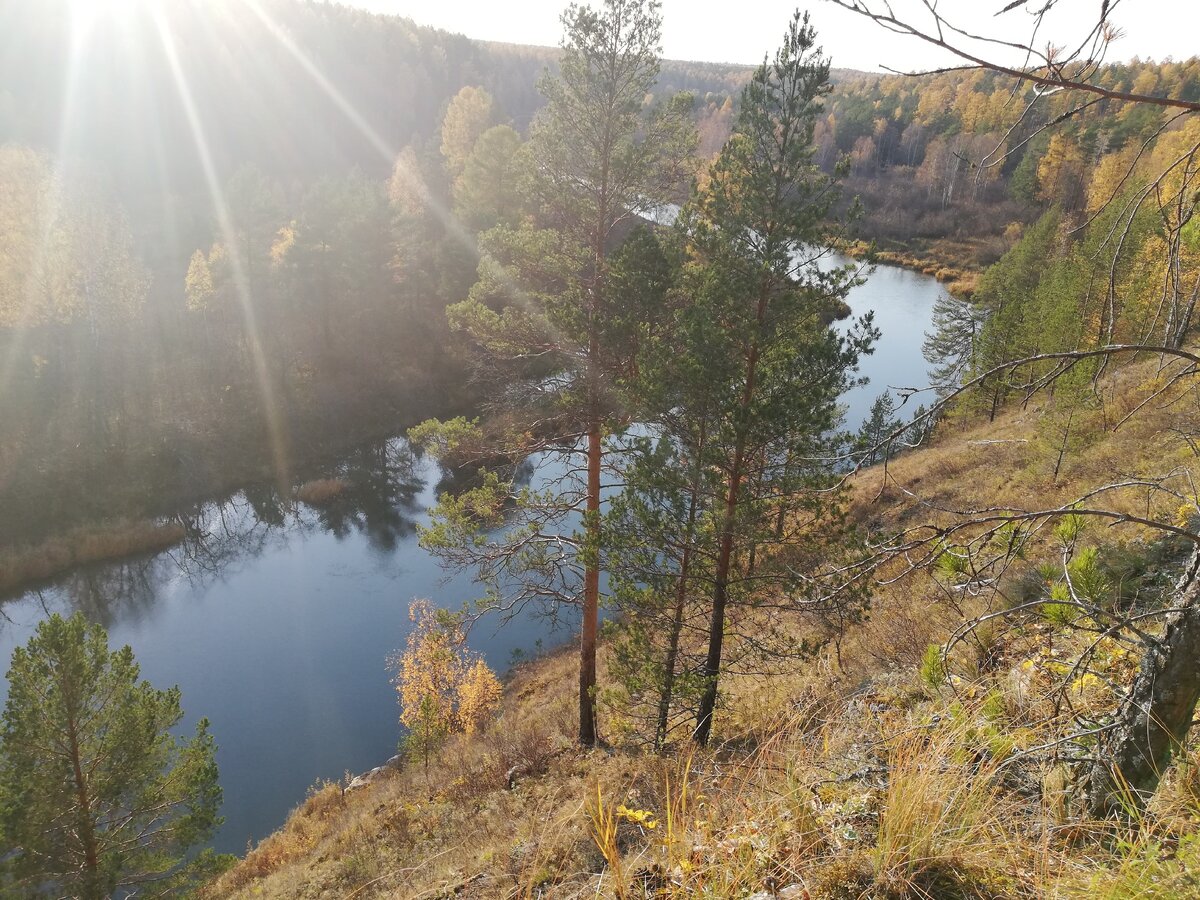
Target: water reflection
380, 500
275, 618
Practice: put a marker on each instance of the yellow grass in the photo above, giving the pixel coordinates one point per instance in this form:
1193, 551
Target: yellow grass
841, 781
29, 564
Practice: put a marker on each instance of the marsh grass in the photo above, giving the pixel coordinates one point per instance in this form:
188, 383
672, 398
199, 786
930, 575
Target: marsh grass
33, 563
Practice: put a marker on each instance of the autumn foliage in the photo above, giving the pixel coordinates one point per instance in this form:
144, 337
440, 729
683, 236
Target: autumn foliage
444, 688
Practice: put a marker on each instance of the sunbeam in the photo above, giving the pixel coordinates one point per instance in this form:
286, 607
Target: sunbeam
271, 410
49, 210
387, 152
391, 155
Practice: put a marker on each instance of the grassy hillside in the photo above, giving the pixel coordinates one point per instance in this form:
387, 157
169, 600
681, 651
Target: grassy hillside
882, 768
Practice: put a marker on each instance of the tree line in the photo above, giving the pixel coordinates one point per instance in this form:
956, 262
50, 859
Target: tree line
964, 155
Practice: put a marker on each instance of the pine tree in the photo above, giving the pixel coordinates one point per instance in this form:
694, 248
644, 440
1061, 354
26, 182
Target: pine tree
756, 349
96, 793
198, 286
873, 436
1005, 296
657, 534
486, 194
951, 345
543, 307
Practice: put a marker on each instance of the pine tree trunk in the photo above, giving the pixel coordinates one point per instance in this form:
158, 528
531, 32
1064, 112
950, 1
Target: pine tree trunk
591, 595
93, 887
1154, 719
716, 632
668, 685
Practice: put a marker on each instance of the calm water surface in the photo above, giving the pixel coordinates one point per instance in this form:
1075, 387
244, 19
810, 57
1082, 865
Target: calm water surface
276, 621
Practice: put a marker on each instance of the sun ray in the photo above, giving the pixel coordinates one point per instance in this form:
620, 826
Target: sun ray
49, 215
386, 152
391, 155
271, 410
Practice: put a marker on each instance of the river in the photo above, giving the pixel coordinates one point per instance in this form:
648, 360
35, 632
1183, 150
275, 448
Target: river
276, 621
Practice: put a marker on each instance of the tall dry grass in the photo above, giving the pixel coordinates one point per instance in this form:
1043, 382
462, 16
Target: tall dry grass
26, 565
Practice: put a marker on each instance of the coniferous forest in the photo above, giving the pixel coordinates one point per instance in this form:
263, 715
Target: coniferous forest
579, 330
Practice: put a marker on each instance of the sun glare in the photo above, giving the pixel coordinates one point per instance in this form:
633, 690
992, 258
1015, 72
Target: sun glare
88, 12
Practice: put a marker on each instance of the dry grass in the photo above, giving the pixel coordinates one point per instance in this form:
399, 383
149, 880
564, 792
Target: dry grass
321, 491
26, 565
304, 828
956, 264
840, 781
943, 825
979, 463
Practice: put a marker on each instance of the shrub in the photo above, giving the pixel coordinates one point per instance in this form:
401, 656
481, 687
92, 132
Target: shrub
933, 667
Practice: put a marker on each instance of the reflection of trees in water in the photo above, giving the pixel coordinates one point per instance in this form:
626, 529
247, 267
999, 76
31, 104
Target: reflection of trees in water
380, 502
125, 590
457, 480
380, 497
219, 535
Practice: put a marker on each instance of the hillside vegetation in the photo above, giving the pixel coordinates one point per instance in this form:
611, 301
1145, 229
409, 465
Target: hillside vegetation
878, 769
950, 655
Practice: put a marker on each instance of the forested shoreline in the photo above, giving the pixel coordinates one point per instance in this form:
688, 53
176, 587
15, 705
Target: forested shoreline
161, 390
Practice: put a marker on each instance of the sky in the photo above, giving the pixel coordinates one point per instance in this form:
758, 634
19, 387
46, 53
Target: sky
741, 31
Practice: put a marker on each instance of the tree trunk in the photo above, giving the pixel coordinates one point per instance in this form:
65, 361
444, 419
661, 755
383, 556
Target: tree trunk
716, 633
1154, 719
591, 595
93, 887
668, 685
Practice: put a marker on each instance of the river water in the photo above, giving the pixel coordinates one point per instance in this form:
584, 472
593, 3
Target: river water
276, 620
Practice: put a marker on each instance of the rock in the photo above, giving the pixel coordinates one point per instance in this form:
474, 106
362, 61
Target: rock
395, 764
369, 777
791, 892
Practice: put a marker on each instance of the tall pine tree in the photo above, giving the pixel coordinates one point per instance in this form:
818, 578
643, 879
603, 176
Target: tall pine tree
762, 360
543, 318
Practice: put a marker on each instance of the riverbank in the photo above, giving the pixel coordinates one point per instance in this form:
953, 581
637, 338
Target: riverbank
953, 263
24, 567
128, 503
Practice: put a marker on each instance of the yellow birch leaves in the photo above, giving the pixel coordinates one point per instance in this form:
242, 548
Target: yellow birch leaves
443, 686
